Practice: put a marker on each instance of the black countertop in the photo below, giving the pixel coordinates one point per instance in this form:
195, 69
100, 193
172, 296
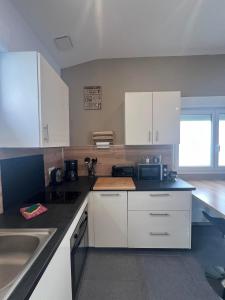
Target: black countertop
61, 216
178, 185
58, 216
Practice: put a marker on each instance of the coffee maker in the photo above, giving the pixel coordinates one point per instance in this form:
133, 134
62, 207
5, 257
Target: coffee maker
70, 167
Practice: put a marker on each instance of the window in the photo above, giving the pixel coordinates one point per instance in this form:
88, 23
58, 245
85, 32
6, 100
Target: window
202, 140
196, 141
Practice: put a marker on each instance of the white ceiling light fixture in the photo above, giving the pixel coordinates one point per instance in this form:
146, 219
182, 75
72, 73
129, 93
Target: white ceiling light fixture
63, 43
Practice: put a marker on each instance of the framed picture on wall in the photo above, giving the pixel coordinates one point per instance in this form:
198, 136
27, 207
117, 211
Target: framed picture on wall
93, 97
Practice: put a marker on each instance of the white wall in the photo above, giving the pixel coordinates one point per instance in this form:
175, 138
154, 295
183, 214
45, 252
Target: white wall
16, 35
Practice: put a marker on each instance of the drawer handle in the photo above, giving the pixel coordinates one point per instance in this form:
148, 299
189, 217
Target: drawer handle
110, 195
159, 233
159, 214
159, 195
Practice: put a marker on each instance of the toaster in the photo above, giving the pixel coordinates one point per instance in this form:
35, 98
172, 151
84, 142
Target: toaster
123, 171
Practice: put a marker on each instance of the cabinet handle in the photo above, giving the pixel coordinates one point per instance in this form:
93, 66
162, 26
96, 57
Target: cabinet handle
218, 147
159, 214
159, 195
46, 134
159, 233
156, 135
110, 195
149, 136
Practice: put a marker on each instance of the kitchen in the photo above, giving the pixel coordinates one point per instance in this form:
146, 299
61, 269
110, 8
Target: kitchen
158, 118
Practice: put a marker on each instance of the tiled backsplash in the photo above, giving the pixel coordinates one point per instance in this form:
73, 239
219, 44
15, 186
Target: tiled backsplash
116, 154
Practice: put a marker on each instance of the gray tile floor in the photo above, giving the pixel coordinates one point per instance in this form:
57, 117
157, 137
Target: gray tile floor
121, 274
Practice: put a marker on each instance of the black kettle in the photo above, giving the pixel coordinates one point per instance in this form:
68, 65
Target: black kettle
56, 176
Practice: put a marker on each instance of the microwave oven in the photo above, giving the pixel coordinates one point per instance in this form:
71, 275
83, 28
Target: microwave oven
157, 172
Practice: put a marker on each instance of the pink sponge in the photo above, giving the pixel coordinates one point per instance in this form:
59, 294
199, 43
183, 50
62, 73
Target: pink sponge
33, 211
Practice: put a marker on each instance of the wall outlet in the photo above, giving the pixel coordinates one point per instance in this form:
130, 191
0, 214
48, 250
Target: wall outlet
50, 170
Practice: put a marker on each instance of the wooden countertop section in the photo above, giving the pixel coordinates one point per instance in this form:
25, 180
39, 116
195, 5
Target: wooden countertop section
211, 192
114, 183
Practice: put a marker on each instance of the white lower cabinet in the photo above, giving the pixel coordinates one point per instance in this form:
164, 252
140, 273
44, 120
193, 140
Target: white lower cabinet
110, 219
159, 229
55, 282
159, 219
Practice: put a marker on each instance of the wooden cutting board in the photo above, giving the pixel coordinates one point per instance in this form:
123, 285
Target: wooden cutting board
114, 184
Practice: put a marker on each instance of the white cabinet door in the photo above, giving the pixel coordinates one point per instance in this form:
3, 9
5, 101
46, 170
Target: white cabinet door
19, 114
110, 219
54, 107
166, 117
138, 118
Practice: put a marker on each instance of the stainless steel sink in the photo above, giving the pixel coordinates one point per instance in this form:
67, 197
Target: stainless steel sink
18, 250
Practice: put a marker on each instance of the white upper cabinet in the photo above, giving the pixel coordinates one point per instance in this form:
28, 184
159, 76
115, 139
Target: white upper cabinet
166, 117
34, 102
152, 118
138, 115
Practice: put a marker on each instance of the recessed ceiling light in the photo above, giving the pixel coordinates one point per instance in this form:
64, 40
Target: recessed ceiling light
63, 43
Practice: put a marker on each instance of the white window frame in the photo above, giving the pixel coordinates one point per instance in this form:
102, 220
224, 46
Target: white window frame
204, 105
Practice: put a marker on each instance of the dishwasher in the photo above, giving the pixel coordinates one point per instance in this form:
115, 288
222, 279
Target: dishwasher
78, 251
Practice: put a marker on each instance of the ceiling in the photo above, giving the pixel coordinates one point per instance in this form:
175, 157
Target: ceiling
127, 28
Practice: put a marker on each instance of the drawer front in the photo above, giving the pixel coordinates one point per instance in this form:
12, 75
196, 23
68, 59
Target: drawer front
159, 200
159, 229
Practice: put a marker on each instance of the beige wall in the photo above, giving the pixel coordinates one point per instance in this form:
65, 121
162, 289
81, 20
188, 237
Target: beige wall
194, 76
